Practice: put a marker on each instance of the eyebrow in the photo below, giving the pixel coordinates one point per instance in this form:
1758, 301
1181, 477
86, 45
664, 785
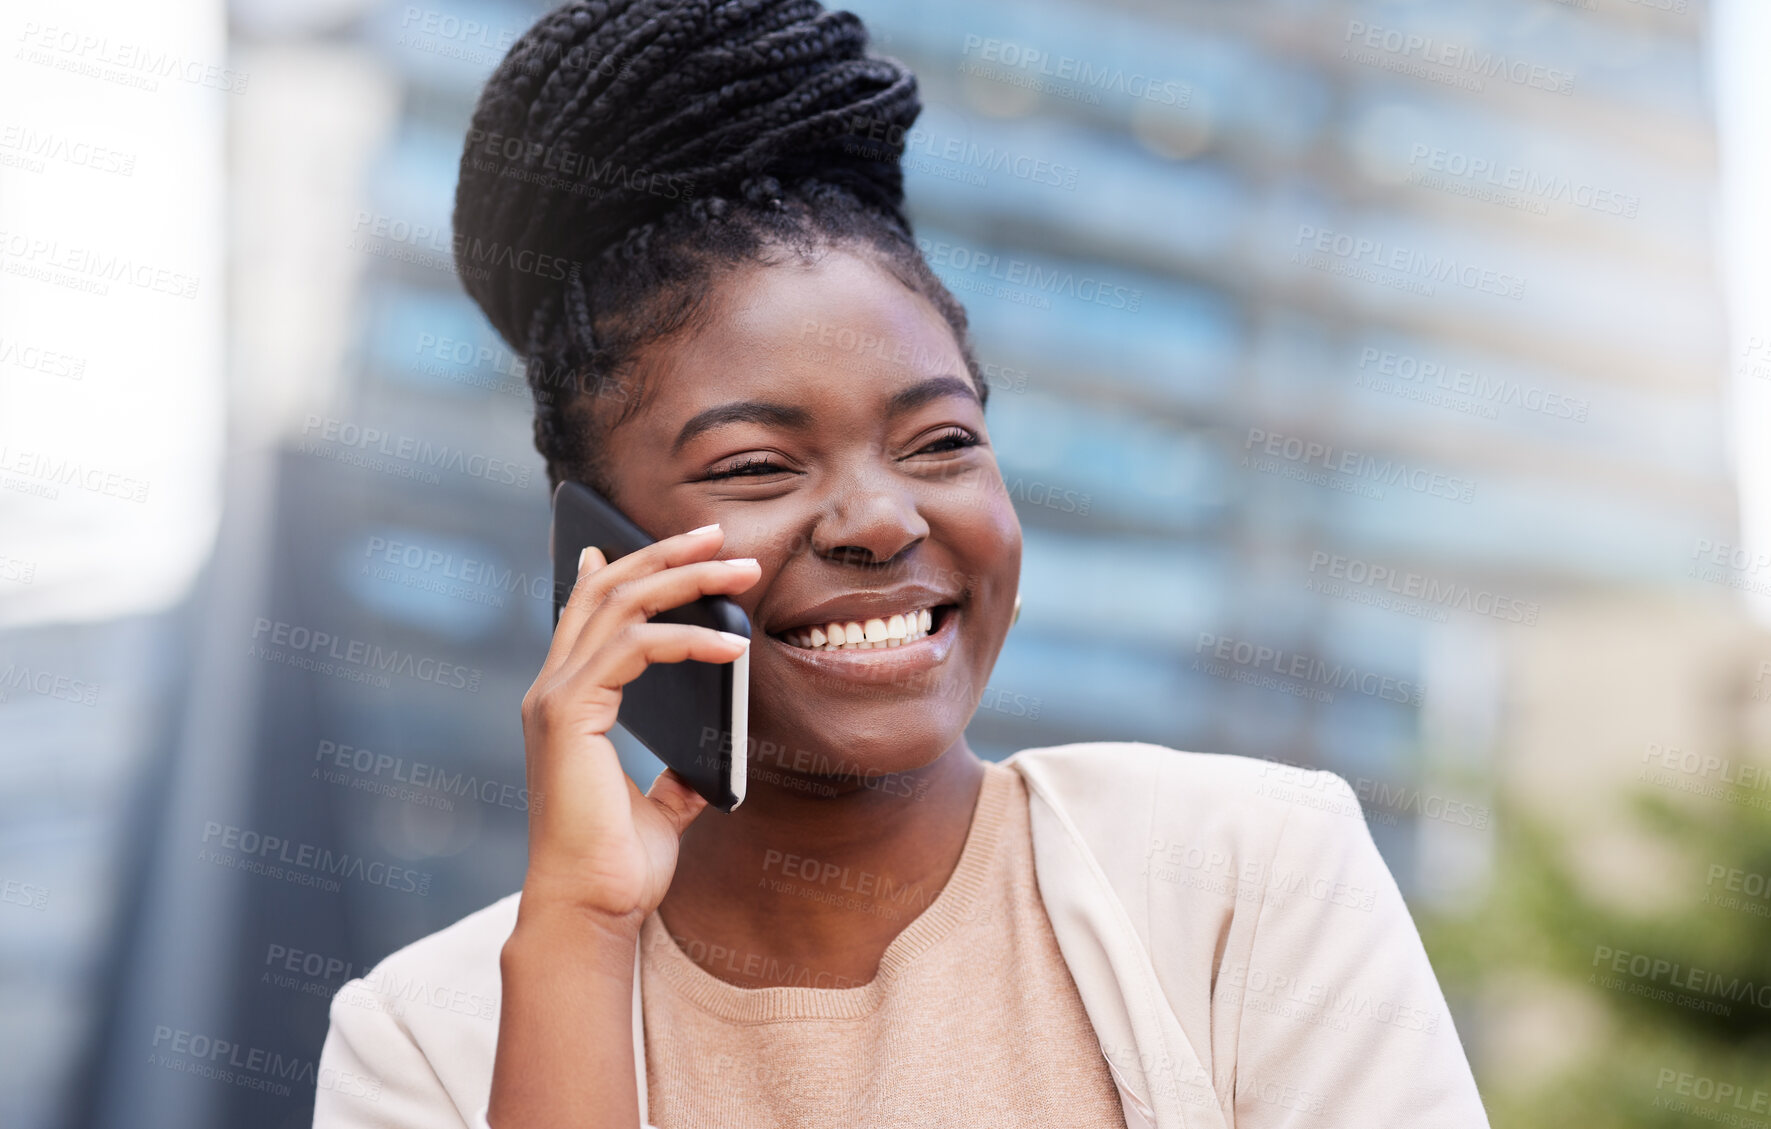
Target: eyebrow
798, 419
934, 388
742, 411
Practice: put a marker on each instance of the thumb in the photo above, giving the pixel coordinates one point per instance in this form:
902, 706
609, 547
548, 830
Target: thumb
680, 803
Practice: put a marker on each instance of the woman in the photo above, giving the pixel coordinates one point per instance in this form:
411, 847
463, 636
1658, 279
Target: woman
686, 215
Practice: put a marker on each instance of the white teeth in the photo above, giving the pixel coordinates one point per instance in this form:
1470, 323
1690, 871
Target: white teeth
877, 633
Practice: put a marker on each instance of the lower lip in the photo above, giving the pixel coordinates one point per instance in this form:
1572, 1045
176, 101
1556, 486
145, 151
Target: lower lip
882, 664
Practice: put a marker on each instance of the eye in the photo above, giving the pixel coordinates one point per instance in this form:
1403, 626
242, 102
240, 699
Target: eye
951, 438
752, 466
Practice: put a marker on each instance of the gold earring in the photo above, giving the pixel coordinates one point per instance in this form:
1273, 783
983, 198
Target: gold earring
1017, 612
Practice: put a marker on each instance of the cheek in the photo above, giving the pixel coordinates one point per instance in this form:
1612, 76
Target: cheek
773, 543
981, 527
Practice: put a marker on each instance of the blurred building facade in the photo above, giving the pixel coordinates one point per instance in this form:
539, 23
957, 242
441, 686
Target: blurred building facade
1332, 347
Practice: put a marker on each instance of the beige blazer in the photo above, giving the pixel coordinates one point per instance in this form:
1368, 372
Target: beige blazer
1241, 949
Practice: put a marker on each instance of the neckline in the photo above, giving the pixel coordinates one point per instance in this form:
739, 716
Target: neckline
952, 905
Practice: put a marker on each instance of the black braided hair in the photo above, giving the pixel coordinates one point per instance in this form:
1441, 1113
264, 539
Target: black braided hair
627, 152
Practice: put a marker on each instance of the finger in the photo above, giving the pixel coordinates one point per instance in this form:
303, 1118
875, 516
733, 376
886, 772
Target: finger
644, 597
677, 549
676, 799
579, 604
592, 584
641, 644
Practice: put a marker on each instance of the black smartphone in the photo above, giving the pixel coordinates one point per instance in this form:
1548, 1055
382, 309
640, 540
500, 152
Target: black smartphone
694, 716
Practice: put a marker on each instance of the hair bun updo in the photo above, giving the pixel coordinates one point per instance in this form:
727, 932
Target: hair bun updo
608, 115
627, 152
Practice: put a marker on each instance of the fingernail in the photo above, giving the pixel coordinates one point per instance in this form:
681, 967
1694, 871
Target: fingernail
584, 556
738, 562
736, 638
705, 528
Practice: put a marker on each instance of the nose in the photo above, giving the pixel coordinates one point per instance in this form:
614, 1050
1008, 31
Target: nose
870, 519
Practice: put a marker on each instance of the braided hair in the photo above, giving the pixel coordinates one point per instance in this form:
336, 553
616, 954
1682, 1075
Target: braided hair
627, 153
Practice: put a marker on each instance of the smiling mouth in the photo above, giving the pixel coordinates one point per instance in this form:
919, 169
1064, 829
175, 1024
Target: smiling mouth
876, 633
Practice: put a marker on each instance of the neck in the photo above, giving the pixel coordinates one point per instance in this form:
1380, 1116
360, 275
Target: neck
807, 879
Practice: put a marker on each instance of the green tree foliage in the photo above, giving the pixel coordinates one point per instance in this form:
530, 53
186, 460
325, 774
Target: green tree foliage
1686, 1037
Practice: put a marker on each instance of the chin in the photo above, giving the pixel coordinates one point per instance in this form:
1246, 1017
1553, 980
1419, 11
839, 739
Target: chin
858, 741
864, 713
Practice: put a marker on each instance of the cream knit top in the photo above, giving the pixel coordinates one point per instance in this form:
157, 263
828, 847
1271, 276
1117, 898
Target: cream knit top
972, 1020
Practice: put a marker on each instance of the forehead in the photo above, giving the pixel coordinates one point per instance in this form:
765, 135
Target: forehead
838, 326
